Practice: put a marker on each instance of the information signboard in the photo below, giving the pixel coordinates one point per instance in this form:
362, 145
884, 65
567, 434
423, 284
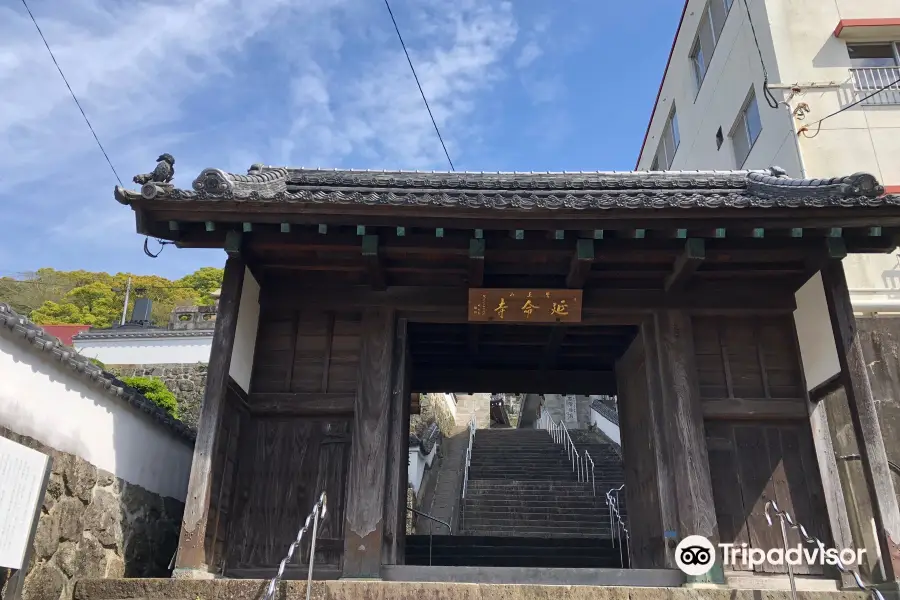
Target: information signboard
23, 482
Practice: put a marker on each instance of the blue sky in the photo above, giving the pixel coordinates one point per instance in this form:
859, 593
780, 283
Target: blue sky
526, 85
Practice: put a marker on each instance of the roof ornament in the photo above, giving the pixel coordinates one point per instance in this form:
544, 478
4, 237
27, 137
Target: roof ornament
159, 180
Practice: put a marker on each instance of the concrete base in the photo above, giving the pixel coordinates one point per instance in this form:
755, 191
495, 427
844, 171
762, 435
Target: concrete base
536, 576
192, 574
254, 589
781, 582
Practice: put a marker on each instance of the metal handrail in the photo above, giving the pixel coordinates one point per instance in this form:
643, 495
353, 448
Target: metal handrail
560, 435
319, 511
473, 425
786, 521
617, 525
430, 531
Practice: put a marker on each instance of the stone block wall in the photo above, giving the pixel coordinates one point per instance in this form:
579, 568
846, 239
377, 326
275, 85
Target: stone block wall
432, 409
555, 404
94, 525
186, 381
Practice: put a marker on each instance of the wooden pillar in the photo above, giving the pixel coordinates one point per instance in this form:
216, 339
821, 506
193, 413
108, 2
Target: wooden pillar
685, 433
863, 412
665, 483
398, 456
364, 515
191, 560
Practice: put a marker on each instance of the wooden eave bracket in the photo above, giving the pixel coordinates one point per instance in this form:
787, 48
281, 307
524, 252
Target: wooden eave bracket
476, 262
374, 267
686, 264
580, 268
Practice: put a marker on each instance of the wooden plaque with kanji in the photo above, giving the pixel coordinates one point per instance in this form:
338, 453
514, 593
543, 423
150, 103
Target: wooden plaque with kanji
524, 306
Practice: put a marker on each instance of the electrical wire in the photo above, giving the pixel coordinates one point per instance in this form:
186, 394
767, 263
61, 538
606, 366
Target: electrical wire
818, 123
771, 100
421, 91
75, 98
161, 243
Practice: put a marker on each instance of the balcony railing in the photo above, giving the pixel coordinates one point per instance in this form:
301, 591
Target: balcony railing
868, 80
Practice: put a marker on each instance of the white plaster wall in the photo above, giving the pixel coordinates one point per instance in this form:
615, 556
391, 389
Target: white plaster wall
418, 461
733, 68
146, 351
245, 335
606, 426
858, 139
41, 399
818, 352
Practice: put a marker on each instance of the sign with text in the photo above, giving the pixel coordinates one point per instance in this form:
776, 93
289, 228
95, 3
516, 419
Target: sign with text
23, 482
524, 306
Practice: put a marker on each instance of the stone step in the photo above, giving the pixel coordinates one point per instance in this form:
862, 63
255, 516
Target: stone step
524, 513
542, 532
456, 583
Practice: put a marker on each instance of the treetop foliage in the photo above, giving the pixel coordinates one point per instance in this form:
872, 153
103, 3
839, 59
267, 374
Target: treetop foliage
51, 297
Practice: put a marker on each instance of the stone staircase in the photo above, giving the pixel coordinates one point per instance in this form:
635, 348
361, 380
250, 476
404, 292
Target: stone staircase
521, 484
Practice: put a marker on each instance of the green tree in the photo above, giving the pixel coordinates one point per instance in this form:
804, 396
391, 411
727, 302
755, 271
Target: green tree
155, 390
51, 297
205, 280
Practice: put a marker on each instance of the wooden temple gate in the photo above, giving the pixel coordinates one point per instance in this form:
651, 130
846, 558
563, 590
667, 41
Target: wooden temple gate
686, 284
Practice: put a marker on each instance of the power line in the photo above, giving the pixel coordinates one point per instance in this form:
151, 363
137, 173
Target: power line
421, 91
767, 93
805, 128
77, 103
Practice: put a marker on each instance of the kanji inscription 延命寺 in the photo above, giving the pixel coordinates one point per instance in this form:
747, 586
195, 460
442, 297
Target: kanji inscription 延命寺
524, 306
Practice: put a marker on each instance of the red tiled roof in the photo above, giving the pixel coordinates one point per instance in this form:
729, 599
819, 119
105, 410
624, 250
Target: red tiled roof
65, 332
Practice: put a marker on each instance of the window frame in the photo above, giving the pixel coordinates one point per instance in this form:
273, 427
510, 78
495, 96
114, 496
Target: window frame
895, 47
670, 128
741, 126
697, 47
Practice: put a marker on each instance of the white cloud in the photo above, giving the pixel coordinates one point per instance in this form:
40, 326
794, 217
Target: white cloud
216, 82
530, 52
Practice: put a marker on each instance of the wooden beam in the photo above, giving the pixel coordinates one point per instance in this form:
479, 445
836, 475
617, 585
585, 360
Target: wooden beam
476, 262
551, 350
580, 268
301, 403
234, 242
513, 381
829, 249
685, 433
864, 415
398, 455
473, 341
662, 457
191, 557
374, 267
759, 409
687, 262
453, 301
364, 511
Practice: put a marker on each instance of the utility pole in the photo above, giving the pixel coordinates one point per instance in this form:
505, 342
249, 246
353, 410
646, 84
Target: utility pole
125, 306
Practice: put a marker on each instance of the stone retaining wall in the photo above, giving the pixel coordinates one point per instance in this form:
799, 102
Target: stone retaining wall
95, 525
186, 381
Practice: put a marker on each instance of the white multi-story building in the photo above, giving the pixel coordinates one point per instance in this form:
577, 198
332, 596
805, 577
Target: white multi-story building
751, 84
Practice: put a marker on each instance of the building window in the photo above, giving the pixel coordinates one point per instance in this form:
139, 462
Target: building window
867, 56
746, 130
875, 67
668, 144
712, 21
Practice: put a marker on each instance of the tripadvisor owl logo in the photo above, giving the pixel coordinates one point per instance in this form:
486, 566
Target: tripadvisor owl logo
695, 555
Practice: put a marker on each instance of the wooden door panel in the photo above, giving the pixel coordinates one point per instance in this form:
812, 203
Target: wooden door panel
753, 462
286, 463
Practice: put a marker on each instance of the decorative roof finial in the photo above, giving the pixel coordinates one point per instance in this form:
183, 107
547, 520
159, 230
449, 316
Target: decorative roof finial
160, 179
